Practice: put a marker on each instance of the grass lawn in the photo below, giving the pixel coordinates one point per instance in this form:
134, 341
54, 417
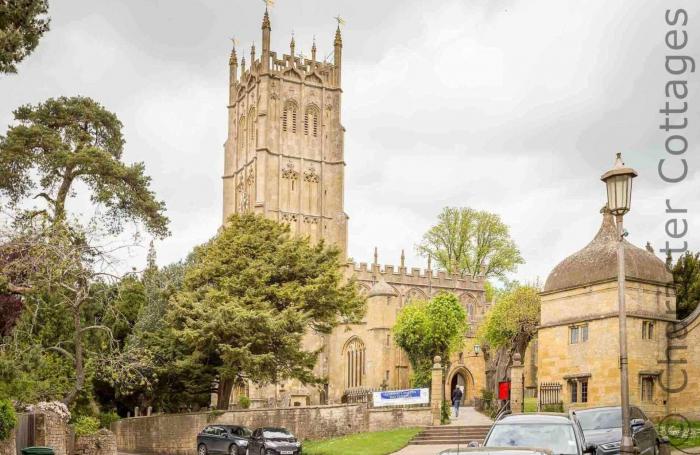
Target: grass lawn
531, 404
682, 437
375, 443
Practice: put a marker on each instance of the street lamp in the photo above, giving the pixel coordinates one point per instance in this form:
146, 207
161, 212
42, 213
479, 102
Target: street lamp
618, 181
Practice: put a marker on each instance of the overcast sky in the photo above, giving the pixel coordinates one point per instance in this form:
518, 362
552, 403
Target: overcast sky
516, 107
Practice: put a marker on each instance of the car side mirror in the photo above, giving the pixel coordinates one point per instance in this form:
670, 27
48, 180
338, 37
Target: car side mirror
473, 444
590, 448
636, 425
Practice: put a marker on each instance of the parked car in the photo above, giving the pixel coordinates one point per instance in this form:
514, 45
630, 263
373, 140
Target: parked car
559, 434
496, 451
273, 441
603, 427
229, 439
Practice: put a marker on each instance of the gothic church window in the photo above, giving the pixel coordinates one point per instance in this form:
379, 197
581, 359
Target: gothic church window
355, 359
311, 121
647, 330
289, 117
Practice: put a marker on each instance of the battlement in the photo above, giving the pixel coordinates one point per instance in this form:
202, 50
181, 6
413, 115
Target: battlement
414, 276
295, 68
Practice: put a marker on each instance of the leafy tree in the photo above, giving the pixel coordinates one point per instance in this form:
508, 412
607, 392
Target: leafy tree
22, 24
468, 241
251, 295
686, 275
63, 141
509, 327
425, 329
60, 342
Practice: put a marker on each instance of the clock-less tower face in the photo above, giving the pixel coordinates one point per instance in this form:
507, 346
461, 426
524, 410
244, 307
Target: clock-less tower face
284, 151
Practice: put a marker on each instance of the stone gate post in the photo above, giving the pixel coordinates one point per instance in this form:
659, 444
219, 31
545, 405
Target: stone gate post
436, 387
516, 385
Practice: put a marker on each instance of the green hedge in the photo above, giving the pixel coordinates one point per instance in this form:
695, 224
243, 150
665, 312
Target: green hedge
8, 419
86, 425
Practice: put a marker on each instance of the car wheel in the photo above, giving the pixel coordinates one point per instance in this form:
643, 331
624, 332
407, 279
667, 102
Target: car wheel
202, 449
233, 449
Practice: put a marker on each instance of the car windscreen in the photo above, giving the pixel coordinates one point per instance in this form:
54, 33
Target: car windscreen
600, 419
277, 433
559, 438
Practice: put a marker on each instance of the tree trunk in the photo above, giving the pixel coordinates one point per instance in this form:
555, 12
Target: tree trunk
224, 394
78, 359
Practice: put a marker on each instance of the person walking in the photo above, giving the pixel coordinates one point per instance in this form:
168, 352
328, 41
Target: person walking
457, 395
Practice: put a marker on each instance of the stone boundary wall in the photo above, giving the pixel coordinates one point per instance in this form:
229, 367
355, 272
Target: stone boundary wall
176, 434
7, 447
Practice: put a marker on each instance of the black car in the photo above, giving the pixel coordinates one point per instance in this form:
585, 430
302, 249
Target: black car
603, 428
273, 441
559, 434
230, 439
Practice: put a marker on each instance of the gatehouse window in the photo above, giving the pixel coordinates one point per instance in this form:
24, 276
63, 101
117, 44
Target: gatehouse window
648, 389
647, 330
578, 390
355, 362
578, 333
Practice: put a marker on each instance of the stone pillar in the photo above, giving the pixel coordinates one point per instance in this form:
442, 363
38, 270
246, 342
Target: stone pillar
436, 388
516, 385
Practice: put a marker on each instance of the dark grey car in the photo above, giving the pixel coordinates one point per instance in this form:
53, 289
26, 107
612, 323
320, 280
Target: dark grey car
603, 428
273, 441
229, 439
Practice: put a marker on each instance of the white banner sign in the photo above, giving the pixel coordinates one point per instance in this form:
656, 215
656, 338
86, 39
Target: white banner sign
401, 397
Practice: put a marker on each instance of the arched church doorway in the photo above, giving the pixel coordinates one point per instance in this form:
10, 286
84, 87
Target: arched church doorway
459, 375
458, 379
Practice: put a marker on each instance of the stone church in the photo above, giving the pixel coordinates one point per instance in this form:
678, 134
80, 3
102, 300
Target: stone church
285, 159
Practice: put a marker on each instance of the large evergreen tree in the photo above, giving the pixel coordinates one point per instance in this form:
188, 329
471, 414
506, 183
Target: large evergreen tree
22, 24
251, 295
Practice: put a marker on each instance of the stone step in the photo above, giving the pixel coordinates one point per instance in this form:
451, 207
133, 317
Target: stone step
451, 435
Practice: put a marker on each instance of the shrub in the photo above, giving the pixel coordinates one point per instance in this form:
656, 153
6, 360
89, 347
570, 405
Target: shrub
108, 418
244, 402
559, 407
8, 419
86, 426
445, 413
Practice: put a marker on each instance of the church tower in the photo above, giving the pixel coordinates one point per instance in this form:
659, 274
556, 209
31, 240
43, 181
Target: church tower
284, 152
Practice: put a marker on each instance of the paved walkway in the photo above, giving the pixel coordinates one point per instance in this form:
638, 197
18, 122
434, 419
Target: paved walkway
468, 416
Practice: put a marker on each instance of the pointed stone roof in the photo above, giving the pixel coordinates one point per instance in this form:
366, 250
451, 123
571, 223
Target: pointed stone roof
597, 262
382, 288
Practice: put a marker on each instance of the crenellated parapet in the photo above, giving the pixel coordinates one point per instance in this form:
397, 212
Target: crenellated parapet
414, 276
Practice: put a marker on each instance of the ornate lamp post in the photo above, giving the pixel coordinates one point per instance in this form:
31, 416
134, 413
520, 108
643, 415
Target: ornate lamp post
619, 185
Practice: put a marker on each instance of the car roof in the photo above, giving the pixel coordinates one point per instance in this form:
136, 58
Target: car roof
598, 408
497, 450
555, 418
